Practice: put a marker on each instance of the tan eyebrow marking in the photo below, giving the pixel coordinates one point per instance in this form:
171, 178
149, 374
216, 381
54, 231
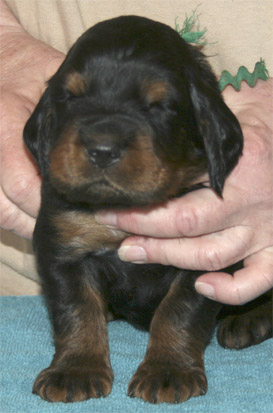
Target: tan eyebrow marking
76, 83
155, 91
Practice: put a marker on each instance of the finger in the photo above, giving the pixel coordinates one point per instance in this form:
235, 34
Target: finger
210, 252
15, 220
20, 179
21, 184
194, 214
245, 285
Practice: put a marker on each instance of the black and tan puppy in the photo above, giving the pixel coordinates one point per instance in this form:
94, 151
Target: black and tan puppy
132, 118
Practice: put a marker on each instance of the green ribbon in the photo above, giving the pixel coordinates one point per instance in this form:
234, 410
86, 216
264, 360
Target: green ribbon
260, 72
192, 33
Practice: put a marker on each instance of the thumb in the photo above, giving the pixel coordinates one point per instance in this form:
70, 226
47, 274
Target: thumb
245, 285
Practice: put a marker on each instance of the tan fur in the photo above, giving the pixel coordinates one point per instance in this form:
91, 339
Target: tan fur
172, 353
68, 161
76, 84
80, 232
84, 344
154, 91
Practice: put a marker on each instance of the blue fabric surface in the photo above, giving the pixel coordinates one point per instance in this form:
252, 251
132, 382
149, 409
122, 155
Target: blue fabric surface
239, 381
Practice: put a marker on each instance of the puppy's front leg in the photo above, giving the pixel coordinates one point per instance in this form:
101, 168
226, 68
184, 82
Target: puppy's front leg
81, 367
173, 369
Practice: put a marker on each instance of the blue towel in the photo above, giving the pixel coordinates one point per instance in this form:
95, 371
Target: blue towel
239, 381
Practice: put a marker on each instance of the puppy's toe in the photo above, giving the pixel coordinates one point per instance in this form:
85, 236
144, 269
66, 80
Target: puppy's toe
241, 331
160, 382
73, 384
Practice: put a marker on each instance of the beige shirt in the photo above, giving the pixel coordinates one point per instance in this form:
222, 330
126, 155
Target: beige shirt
240, 31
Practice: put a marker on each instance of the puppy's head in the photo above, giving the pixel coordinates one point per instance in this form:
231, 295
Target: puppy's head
133, 116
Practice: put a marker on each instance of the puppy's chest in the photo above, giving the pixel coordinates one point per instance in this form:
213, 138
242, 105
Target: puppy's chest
131, 291
80, 233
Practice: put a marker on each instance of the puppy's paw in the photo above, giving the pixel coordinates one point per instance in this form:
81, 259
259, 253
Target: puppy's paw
157, 382
241, 331
73, 384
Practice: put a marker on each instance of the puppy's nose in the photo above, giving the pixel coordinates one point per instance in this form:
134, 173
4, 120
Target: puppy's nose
104, 155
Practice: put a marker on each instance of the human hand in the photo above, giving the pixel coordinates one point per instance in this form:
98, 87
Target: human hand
26, 65
203, 232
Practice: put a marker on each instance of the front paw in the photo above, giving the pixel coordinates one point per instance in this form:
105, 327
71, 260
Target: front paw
158, 382
73, 384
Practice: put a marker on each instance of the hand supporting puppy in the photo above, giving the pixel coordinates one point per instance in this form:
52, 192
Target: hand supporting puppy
26, 65
201, 231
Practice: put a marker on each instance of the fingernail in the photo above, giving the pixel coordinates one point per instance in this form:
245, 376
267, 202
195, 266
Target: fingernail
134, 254
106, 218
205, 289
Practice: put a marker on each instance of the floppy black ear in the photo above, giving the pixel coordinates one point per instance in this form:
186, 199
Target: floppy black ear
220, 131
38, 132
217, 125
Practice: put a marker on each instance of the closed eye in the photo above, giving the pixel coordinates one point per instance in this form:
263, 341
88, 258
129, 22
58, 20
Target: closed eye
64, 95
156, 105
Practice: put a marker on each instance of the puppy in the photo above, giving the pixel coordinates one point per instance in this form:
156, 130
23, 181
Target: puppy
132, 118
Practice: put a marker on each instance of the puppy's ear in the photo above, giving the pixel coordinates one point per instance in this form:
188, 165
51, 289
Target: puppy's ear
38, 131
219, 128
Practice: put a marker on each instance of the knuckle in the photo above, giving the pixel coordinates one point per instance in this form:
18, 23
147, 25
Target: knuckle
8, 215
18, 189
209, 259
267, 277
128, 222
187, 221
169, 252
158, 251
165, 257
236, 297
11, 219
257, 149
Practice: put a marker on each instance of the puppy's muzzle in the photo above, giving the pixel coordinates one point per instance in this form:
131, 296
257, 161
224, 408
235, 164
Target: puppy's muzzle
107, 139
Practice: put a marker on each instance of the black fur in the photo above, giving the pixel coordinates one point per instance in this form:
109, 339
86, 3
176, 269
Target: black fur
131, 101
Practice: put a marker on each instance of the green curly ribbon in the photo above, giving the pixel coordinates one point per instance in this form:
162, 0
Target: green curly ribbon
188, 33
260, 72
192, 33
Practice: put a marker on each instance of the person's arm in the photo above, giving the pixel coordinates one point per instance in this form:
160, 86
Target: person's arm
26, 65
201, 231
